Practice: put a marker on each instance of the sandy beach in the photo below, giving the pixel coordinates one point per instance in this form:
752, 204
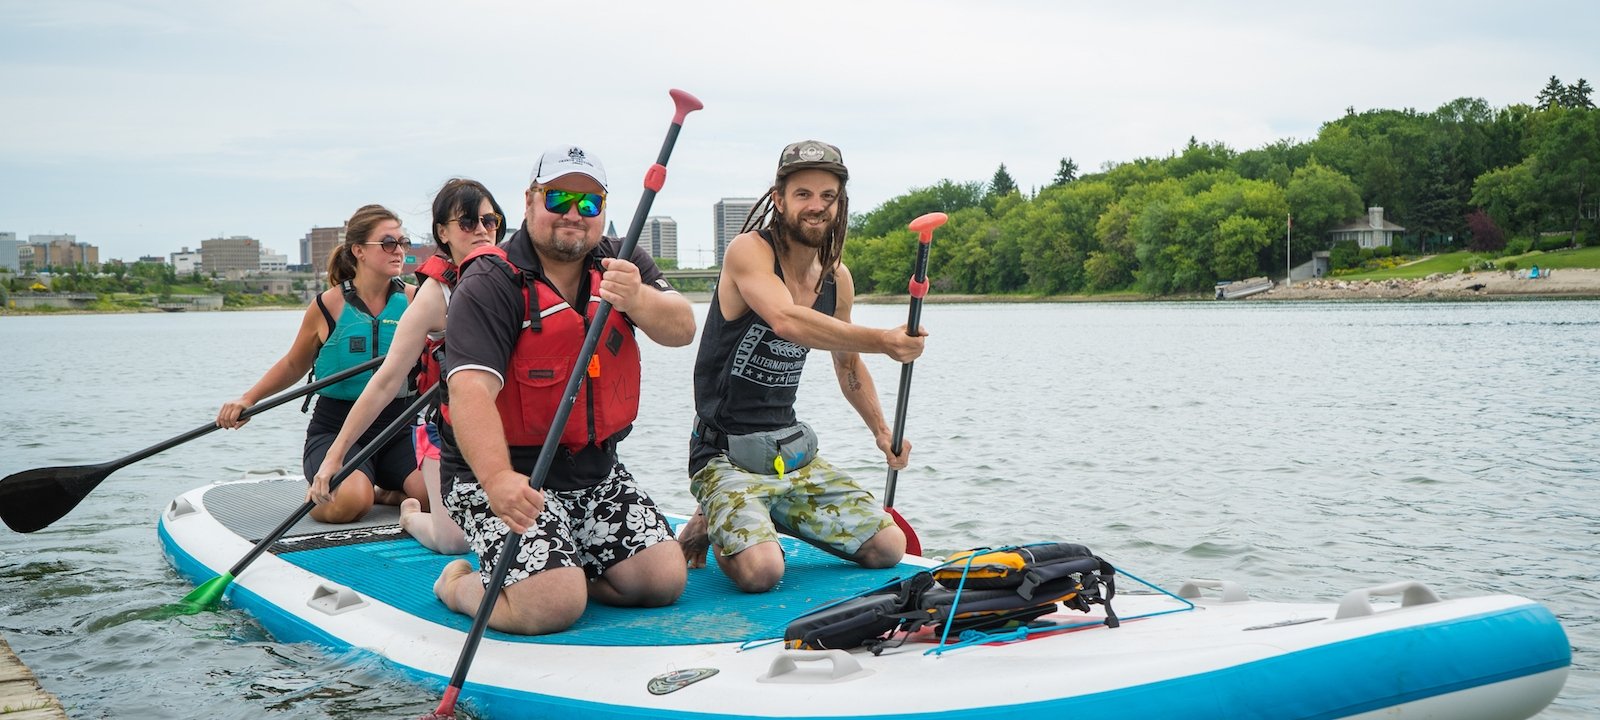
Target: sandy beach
1561, 283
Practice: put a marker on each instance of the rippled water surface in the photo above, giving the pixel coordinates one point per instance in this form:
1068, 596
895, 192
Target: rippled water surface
1302, 449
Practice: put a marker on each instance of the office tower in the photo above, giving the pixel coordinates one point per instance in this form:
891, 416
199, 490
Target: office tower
322, 241
729, 216
239, 252
661, 236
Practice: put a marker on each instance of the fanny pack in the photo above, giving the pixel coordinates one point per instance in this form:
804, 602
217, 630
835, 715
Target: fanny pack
758, 452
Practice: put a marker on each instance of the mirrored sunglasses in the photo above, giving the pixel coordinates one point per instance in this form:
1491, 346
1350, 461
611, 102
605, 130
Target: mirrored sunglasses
390, 242
468, 223
560, 201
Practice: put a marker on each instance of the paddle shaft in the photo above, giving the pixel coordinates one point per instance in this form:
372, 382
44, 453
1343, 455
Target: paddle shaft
654, 179
33, 499
251, 411
919, 288
372, 448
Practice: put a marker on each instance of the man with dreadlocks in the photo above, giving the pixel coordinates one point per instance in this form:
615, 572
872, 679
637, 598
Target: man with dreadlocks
752, 464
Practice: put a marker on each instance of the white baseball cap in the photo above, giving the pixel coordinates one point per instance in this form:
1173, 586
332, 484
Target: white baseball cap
567, 160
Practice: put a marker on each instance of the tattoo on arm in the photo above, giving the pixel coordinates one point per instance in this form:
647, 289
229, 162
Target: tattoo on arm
852, 381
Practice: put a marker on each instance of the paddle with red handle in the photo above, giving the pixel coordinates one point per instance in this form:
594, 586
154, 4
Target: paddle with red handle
924, 227
654, 179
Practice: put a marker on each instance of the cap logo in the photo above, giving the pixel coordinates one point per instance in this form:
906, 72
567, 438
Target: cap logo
575, 155
810, 153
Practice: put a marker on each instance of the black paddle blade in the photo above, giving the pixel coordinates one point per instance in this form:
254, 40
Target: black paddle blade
32, 499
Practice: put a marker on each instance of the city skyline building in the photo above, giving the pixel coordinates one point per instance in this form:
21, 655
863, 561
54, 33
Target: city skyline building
728, 217
239, 252
660, 234
271, 261
185, 261
422, 248
10, 255
322, 241
62, 251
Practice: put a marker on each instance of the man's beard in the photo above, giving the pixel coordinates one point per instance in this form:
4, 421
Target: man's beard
564, 246
808, 235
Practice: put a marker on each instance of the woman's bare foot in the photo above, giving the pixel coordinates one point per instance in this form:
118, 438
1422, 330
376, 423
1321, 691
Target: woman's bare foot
409, 506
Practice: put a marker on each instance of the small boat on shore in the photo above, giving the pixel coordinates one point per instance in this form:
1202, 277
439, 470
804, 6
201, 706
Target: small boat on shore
1235, 289
1205, 651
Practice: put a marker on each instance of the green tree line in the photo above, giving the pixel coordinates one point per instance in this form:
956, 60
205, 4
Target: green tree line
1208, 212
117, 279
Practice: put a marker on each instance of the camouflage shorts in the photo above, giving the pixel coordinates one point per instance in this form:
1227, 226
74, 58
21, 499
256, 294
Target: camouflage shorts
817, 501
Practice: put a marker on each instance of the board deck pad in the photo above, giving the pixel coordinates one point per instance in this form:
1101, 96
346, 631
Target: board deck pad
377, 559
252, 510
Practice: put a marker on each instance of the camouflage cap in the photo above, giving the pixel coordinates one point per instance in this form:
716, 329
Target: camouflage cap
808, 154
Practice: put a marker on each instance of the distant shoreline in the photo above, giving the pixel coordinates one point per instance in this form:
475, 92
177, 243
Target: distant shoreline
1563, 283
4, 312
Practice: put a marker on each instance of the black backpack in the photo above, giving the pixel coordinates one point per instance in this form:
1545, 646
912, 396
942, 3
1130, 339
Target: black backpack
997, 588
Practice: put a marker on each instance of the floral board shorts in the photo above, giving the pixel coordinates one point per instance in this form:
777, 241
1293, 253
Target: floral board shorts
818, 501
593, 528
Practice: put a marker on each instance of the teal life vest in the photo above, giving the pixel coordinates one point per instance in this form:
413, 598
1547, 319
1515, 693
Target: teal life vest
356, 337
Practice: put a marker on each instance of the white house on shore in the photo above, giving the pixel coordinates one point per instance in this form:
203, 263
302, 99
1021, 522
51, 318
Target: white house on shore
1369, 232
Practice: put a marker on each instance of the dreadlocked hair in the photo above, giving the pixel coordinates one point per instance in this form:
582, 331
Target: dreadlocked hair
765, 216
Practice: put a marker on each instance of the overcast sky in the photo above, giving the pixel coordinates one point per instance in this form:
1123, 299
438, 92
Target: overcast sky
142, 127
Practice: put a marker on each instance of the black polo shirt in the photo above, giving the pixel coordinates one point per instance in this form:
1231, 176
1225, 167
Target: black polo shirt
485, 316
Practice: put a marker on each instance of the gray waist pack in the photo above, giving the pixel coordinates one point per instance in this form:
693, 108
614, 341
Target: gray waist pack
758, 452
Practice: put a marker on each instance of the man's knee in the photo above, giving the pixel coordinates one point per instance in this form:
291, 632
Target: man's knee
755, 569
759, 579
885, 549
545, 603
664, 589
653, 578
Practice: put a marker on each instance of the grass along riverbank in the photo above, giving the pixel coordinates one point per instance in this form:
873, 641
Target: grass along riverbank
1448, 263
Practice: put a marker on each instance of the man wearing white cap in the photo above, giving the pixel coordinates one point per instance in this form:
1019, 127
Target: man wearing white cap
517, 323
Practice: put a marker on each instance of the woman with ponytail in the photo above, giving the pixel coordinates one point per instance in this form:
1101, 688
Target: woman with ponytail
465, 218
351, 322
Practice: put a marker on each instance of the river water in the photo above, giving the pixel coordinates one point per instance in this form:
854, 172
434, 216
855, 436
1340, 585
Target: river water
1303, 449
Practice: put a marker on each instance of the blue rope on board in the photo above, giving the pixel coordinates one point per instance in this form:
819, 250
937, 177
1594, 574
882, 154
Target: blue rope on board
979, 637
969, 638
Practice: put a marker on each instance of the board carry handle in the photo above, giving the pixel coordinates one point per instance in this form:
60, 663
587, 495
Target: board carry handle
1231, 591
1358, 603
841, 667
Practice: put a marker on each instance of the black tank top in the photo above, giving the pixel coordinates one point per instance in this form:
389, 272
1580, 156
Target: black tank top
746, 378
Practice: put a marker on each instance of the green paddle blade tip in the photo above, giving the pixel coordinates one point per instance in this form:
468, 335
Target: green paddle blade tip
208, 594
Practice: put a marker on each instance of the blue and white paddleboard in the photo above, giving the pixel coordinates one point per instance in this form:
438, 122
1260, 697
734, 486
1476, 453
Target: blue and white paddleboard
1207, 651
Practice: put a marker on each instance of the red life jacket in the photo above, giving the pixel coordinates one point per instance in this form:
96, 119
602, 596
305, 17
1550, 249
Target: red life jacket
543, 358
440, 270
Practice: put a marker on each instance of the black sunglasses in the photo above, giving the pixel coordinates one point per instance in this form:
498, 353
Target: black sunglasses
390, 242
490, 222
